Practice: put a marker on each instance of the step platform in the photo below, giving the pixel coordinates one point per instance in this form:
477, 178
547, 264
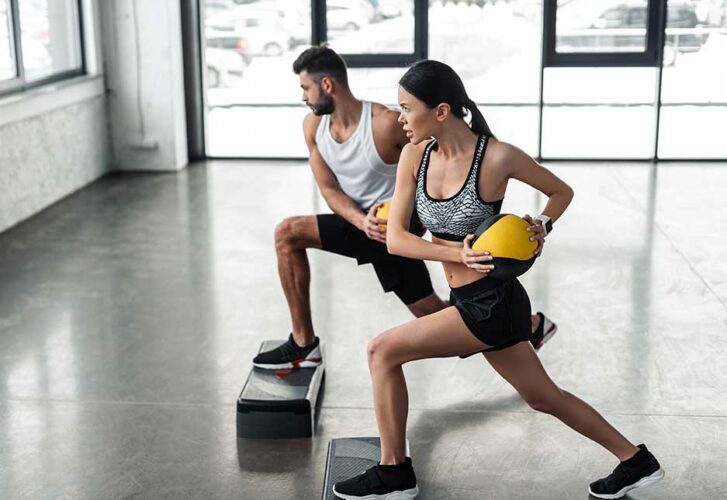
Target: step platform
279, 404
348, 457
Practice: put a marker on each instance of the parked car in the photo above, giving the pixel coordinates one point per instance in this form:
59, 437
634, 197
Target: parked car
349, 14
224, 67
228, 40
390, 9
265, 31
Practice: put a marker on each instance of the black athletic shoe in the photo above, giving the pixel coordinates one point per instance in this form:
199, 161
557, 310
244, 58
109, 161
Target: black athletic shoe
545, 331
380, 482
289, 355
640, 470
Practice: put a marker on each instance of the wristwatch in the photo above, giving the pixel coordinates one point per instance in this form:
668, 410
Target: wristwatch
547, 223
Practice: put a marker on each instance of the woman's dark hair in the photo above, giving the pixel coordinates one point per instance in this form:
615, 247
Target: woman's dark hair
322, 61
435, 83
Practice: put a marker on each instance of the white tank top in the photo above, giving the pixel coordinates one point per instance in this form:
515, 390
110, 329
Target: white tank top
361, 173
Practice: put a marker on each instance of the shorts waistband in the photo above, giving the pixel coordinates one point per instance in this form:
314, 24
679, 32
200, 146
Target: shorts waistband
481, 285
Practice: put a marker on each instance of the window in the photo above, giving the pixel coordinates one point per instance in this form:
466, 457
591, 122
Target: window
364, 27
605, 33
599, 113
496, 52
253, 99
608, 90
374, 33
8, 68
694, 85
619, 29
40, 41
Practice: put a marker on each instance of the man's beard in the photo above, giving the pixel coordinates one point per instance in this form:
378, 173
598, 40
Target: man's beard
324, 105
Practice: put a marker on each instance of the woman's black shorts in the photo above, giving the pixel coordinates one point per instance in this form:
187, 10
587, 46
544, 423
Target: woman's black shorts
496, 312
407, 278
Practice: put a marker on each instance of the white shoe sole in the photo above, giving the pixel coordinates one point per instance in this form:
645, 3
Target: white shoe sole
394, 495
286, 366
646, 481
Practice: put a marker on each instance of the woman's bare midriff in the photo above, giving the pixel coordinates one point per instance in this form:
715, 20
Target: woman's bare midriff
458, 274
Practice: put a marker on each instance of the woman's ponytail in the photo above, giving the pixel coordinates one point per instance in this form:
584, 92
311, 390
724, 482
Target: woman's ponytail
478, 124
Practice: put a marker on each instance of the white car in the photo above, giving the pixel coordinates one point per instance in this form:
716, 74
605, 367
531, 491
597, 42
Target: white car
349, 14
224, 67
265, 31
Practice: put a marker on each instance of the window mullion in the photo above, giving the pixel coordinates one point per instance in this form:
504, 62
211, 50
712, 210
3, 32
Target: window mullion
319, 28
81, 37
17, 43
421, 29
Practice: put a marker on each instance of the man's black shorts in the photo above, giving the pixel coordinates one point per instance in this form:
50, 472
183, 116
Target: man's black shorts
407, 278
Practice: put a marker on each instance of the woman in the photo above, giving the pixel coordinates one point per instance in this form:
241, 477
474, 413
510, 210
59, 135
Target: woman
454, 182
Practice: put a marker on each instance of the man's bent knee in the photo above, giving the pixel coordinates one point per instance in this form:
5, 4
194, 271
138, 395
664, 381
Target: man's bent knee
292, 234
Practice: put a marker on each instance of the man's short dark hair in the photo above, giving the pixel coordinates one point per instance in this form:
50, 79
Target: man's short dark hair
322, 61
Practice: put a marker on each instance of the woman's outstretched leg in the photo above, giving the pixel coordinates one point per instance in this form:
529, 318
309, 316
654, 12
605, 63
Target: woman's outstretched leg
520, 366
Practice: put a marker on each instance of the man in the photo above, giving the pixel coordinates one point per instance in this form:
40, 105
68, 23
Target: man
354, 149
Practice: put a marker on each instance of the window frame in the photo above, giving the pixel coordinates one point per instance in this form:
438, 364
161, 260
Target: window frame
196, 91
20, 83
319, 35
650, 57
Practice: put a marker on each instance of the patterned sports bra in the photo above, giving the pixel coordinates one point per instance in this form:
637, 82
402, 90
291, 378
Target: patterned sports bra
455, 217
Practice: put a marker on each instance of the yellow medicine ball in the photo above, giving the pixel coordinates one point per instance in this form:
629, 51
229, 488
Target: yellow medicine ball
383, 211
506, 237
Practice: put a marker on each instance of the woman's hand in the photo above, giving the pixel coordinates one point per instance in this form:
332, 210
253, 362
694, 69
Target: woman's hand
536, 226
475, 259
374, 228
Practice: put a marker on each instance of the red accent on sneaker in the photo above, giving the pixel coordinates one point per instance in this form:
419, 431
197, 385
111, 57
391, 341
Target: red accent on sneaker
296, 362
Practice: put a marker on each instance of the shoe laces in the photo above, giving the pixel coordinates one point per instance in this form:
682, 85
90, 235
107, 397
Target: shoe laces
289, 349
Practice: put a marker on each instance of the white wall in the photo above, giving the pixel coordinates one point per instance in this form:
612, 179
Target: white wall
59, 138
146, 94
54, 139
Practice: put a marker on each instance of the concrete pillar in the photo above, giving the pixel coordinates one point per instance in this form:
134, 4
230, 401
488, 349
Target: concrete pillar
145, 83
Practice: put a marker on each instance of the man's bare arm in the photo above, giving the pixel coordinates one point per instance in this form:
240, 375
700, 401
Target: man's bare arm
336, 199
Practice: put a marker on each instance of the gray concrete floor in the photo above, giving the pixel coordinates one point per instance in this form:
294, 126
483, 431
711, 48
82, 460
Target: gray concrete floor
129, 314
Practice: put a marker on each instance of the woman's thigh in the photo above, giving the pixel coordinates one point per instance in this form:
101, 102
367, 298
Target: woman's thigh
439, 335
522, 369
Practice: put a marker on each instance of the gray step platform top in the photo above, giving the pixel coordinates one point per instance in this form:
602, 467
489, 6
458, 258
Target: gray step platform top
281, 385
348, 457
